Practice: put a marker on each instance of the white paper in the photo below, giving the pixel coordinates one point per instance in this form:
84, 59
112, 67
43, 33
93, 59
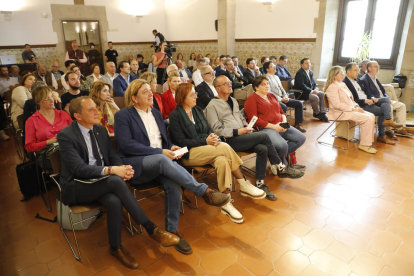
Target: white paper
252, 122
181, 151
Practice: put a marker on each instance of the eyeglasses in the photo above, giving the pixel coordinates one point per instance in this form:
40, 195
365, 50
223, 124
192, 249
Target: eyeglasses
47, 99
226, 83
193, 95
211, 73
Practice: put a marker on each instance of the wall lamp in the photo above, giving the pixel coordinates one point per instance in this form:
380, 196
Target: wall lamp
138, 17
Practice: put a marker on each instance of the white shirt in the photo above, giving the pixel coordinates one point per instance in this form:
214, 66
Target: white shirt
151, 127
276, 86
360, 92
197, 79
64, 84
54, 82
307, 73
127, 80
213, 89
184, 73
95, 78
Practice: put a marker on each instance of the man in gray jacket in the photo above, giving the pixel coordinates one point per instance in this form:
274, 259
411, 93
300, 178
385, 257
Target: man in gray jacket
228, 122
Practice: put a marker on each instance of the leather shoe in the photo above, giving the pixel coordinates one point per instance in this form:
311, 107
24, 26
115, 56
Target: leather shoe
391, 123
404, 133
215, 198
390, 134
182, 246
124, 257
386, 140
323, 117
166, 239
301, 129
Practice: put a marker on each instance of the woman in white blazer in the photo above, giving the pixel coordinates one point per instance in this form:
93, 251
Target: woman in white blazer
20, 95
340, 99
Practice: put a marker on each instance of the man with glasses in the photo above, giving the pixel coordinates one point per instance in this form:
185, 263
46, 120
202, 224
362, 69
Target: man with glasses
56, 72
221, 68
47, 77
15, 72
372, 86
172, 68
241, 88
123, 80
206, 90
184, 72
197, 79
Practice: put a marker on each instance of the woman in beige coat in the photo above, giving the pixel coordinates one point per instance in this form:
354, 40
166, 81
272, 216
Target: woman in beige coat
20, 95
341, 100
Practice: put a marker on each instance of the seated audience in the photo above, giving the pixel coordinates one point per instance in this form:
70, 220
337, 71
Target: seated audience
101, 95
96, 73
207, 61
189, 128
273, 59
47, 77
197, 79
379, 107
134, 68
20, 95
68, 65
208, 56
262, 61
151, 78
84, 82
252, 70
122, 81
15, 72
78, 56
363, 69
6, 83
240, 84
110, 73
42, 127
276, 88
239, 67
372, 86
159, 60
180, 57
142, 67
91, 155
281, 71
341, 101
205, 90
130, 58
227, 121
304, 81
216, 62
185, 73
171, 69
72, 80
192, 60
56, 72
265, 106
168, 97
144, 143
221, 68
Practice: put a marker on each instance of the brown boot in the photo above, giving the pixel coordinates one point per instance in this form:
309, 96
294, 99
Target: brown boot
166, 239
390, 134
391, 123
404, 133
215, 198
386, 140
124, 257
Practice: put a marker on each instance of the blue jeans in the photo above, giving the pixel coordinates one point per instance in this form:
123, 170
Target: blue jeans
383, 110
173, 177
285, 142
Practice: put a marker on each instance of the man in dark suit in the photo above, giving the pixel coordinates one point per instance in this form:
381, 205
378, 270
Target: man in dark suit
304, 81
262, 61
122, 81
205, 90
371, 84
87, 153
378, 107
240, 84
144, 143
252, 70
239, 67
184, 72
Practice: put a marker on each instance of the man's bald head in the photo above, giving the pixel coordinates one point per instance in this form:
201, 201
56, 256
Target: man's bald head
42, 70
110, 68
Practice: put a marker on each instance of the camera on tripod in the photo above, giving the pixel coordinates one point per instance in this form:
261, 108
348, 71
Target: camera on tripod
170, 48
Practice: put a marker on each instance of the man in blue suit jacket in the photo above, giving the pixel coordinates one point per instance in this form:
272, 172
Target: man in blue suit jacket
123, 80
144, 143
184, 72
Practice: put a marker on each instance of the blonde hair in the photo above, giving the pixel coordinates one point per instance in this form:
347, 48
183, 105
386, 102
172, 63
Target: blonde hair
95, 93
149, 77
40, 93
170, 77
132, 90
331, 76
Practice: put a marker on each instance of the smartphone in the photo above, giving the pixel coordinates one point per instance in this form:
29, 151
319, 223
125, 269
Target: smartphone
285, 125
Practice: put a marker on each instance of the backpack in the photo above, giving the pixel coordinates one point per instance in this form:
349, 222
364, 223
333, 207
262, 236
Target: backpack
28, 180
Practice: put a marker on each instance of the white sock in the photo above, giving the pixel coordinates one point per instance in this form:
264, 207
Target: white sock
281, 166
259, 183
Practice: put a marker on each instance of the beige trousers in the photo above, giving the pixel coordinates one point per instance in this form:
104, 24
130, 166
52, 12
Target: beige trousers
222, 157
242, 94
400, 112
367, 122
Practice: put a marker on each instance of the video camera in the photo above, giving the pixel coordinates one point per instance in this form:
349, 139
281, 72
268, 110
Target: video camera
170, 48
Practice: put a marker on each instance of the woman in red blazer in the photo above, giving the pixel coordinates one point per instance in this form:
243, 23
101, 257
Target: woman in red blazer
168, 98
151, 78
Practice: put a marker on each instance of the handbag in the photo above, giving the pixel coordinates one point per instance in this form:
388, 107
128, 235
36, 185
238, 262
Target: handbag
400, 79
44, 156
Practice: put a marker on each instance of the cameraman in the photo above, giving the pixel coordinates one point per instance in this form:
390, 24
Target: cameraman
159, 38
159, 60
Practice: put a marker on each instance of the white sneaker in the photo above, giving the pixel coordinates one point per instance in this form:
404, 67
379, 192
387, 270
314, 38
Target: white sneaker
274, 169
232, 212
247, 189
4, 136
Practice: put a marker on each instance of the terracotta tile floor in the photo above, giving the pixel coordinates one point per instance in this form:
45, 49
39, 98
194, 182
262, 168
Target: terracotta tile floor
351, 214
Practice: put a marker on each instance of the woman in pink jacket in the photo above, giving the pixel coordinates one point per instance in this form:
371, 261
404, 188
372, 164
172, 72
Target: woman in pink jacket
341, 100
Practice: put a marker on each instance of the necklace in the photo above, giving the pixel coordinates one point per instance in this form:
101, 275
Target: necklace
188, 112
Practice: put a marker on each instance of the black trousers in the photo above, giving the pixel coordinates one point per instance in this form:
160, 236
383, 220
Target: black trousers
160, 74
298, 106
114, 194
3, 116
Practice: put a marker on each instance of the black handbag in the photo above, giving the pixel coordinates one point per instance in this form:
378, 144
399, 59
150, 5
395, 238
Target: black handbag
400, 79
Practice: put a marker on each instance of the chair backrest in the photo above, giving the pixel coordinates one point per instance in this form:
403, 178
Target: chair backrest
325, 99
56, 162
120, 102
7, 96
20, 121
285, 85
59, 83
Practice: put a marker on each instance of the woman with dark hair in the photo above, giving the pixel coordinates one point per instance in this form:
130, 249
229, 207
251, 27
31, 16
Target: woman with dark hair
20, 95
189, 128
180, 57
85, 85
96, 73
191, 61
101, 95
269, 113
159, 60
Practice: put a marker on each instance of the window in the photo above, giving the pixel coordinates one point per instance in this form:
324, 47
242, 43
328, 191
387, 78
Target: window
383, 19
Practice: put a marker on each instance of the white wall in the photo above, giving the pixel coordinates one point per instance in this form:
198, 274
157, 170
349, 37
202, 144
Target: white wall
289, 19
185, 19
27, 24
